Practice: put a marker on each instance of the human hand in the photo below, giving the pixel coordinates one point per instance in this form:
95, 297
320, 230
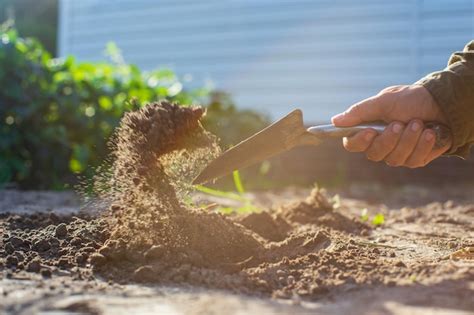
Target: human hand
404, 142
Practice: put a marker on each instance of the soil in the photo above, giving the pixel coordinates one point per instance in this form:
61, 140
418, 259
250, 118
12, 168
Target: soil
309, 250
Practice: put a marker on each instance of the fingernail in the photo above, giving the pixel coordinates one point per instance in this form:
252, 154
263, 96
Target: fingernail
337, 117
415, 126
429, 136
369, 136
397, 128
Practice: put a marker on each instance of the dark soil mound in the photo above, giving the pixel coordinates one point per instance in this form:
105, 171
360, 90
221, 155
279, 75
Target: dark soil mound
271, 227
316, 209
151, 224
46, 243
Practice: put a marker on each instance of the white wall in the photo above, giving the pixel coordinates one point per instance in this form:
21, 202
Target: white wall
275, 55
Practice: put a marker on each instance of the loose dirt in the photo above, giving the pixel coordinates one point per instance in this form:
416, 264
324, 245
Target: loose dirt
309, 249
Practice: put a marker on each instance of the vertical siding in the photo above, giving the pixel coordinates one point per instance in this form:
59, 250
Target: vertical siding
275, 55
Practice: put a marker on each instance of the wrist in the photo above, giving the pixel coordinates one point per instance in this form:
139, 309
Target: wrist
433, 106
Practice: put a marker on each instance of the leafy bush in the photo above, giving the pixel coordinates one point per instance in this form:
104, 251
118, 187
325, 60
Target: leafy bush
56, 115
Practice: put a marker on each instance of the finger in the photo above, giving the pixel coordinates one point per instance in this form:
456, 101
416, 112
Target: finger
360, 141
435, 153
385, 143
422, 150
370, 109
406, 145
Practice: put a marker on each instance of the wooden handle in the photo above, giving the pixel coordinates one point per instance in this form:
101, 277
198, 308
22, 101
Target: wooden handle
442, 132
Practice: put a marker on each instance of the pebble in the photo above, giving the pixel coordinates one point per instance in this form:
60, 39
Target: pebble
34, 266
46, 273
9, 249
97, 259
76, 241
81, 258
61, 230
400, 264
41, 245
19, 255
54, 242
16, 241
11, 261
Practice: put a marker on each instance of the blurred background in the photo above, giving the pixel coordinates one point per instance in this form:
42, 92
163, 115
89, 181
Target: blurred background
274, 55
249, 62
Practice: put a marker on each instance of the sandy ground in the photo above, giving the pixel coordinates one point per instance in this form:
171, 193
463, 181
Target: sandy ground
417, 229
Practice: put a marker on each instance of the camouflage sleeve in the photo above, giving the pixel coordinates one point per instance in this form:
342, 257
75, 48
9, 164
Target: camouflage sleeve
453, 90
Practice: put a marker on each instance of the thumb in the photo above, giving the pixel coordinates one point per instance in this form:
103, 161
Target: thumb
368, 110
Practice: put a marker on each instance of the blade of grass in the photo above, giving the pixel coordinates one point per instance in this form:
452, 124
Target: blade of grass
238, 182
219, 193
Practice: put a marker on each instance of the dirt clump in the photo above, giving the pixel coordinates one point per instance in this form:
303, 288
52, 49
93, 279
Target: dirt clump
272, 227
31, 243
317, 209
150, 221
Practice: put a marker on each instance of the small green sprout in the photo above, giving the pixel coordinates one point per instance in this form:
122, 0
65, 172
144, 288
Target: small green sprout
379, 219
238, 182
247, 207
219, 193
364, 216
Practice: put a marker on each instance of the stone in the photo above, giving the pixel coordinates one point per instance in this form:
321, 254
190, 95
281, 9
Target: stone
97, 259
46, 273
41, 245
16, 241
11, 261
61, 230
34, 266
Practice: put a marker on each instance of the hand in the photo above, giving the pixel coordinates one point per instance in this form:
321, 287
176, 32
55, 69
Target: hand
404, 142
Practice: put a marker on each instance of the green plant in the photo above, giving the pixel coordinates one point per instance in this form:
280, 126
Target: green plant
33, 18
378, 219
56, 116
364, 216
246, 203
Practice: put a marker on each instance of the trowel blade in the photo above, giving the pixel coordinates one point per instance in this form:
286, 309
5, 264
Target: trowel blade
280, 136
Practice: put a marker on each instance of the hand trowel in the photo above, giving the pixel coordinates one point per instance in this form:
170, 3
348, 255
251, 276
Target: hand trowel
287, 133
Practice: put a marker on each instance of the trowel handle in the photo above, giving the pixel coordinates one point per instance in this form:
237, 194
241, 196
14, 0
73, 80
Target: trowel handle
443, 133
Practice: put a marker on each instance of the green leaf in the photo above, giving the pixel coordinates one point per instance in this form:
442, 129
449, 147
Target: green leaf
75, 166
364, 216
105, 103
379, 219
225, 210
219, 193
238, 182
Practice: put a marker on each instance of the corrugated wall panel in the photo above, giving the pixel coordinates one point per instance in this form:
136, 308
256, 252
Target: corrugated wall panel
273, 55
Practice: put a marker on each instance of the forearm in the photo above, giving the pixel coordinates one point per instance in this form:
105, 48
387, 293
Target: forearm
453, 90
